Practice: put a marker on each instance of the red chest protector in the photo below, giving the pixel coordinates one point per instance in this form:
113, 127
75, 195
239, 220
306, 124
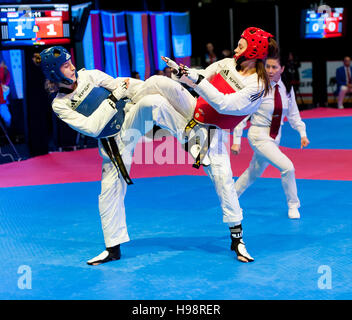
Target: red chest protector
226, 83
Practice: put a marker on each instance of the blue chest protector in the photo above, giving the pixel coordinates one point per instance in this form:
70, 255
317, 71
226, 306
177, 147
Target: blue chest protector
92, 101
87, 106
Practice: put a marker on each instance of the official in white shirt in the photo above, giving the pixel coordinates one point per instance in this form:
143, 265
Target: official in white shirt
264, 138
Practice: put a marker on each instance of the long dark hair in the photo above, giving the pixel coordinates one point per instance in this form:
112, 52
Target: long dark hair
273, 50
51, 87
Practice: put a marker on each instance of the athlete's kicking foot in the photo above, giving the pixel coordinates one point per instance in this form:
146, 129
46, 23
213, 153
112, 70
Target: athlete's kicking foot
110, 254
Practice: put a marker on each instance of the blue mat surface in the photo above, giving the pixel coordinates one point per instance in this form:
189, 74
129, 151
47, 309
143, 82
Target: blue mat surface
323, 133
179, 247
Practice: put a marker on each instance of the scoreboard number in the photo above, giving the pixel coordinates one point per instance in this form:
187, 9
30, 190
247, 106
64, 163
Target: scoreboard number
315, 27
332, 26
51, 28
19, 32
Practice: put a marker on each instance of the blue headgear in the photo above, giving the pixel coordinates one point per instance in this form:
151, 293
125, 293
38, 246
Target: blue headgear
51, 61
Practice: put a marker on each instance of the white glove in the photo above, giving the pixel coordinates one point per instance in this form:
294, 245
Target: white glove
191, 74
172, 64
175, 71
181, 73
121, 90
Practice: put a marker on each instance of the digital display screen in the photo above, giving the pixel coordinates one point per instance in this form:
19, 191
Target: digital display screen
34, 24
320, 25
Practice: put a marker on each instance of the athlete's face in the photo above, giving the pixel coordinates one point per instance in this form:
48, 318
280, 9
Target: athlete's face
274, 69
68, 70
241, 47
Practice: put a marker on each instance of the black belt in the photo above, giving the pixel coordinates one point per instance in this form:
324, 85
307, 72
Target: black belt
113, 152
204, 149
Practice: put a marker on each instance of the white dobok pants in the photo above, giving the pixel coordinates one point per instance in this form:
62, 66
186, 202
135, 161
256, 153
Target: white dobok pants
266, 151
138, 121
219, 170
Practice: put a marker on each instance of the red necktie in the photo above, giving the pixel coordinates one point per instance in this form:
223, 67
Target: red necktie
276, 119
348, 75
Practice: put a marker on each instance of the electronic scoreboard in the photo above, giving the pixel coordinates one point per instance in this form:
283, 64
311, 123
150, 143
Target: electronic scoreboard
35, 25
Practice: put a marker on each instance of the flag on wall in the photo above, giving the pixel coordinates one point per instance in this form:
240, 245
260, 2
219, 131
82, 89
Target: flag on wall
181, 37
161, 37
92, 43
117, 62
139, 41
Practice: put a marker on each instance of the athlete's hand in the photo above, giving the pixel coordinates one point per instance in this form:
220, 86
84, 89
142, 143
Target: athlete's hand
172, 64
304, 142
236, 149
177, 73
191, 74
121, 90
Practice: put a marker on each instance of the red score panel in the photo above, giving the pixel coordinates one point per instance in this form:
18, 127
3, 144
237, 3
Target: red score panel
332, 27
49, 27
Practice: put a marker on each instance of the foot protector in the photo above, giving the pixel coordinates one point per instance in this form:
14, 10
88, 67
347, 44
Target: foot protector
110, 254
238, 246
293, 213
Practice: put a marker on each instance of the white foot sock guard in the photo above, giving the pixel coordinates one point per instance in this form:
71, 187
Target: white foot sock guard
110, 254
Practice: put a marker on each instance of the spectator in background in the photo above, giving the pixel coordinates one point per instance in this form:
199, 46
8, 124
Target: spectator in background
135, 75
343, 80
210, 55
167, 72
292, 71
4, 92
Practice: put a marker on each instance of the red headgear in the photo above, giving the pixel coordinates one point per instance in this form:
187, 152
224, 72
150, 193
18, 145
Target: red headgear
257, 44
